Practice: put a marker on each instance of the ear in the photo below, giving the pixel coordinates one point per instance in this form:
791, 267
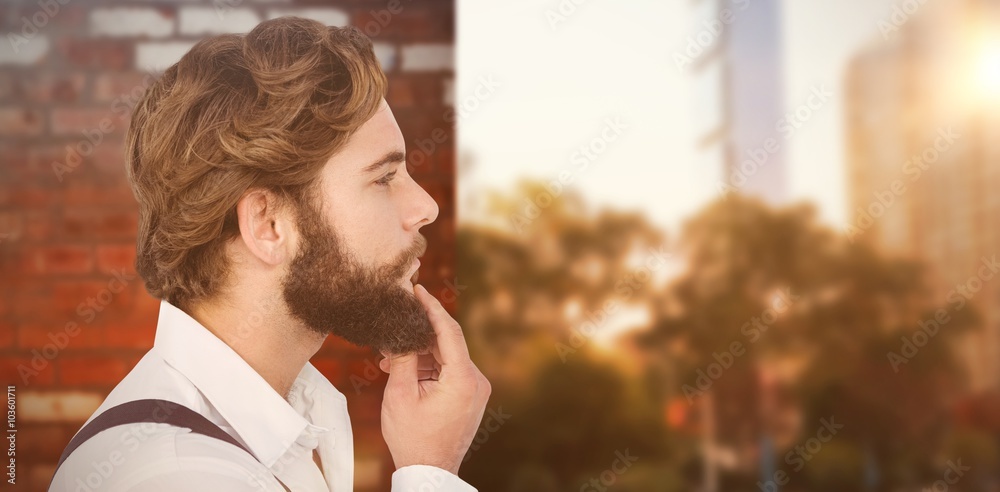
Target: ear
265, 226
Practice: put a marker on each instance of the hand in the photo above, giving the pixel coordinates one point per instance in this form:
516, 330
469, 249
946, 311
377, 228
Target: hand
428, 420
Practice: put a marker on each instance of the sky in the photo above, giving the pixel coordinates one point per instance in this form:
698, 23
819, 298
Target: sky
534, 85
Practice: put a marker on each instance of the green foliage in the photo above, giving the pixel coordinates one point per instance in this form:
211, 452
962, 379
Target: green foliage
816, 316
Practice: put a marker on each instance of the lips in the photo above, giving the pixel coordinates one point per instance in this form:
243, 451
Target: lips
414, 272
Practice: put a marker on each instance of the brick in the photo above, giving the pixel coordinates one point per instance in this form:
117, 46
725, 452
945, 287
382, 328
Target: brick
116, 257
443, 161
15, 166
71, 17
401, 93
448, 92
46, 444
98, 123
131, 334
58, 406
72, 159
361, 369
38, 226
80, 300
84, 193
199, 21
91, 370
21, 122
326, 16
31, 52
413, 122
6, 295
108, 159
9, 84
98, 302
39, 475
145, 309
332, 368
428, 57
126, 86
30, 163
429, 90
386, 55
430, 151
71, 260
106, 54
133, 359
365, 408
20, 372
411, 23
11, 228
131, 22
157, 57
103, 224
63, 89
43, 87
73, 334
337, 345
29, 196
7, 332
31, 298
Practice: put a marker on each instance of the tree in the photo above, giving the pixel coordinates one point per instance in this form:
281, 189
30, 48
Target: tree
571, 409
823, 318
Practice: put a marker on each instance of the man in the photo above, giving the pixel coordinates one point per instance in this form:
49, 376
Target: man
276, 209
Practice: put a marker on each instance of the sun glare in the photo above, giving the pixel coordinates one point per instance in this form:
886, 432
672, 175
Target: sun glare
988, 70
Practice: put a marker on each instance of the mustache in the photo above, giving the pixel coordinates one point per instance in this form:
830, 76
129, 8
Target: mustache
402, 264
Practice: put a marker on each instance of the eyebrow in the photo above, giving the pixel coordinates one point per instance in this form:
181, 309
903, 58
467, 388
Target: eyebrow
389, 158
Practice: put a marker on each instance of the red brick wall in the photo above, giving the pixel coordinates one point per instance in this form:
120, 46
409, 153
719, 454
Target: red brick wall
67, 225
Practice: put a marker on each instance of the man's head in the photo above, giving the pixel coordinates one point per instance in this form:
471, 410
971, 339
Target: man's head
271, 162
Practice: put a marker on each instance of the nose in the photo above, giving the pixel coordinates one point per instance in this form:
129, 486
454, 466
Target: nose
422, 209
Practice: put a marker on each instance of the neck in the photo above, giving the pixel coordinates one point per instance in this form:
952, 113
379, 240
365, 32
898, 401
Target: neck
264, 335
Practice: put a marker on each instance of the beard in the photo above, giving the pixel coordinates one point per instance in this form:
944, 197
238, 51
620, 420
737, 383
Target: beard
329, 291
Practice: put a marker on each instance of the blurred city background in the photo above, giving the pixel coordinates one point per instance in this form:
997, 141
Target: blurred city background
732, 245
714, 245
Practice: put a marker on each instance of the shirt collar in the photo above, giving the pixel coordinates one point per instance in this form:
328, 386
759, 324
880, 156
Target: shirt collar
265, 421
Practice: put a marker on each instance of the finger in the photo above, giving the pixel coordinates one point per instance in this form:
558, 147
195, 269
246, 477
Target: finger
403, 374
425, 375
450, 339
424, 363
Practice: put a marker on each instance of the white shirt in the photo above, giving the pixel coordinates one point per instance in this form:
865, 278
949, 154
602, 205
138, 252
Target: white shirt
191, 366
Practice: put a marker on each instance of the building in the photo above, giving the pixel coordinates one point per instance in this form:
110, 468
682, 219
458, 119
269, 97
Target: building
734, 55
922, 103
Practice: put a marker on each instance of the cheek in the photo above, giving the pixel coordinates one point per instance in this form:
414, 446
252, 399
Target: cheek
368, 226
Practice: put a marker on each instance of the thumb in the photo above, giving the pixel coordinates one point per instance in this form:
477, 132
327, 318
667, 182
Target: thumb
403, 375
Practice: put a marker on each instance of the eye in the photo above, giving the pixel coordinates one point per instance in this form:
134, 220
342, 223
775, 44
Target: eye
384, 180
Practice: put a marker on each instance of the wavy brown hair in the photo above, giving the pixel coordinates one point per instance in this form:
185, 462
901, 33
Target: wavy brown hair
238, 112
